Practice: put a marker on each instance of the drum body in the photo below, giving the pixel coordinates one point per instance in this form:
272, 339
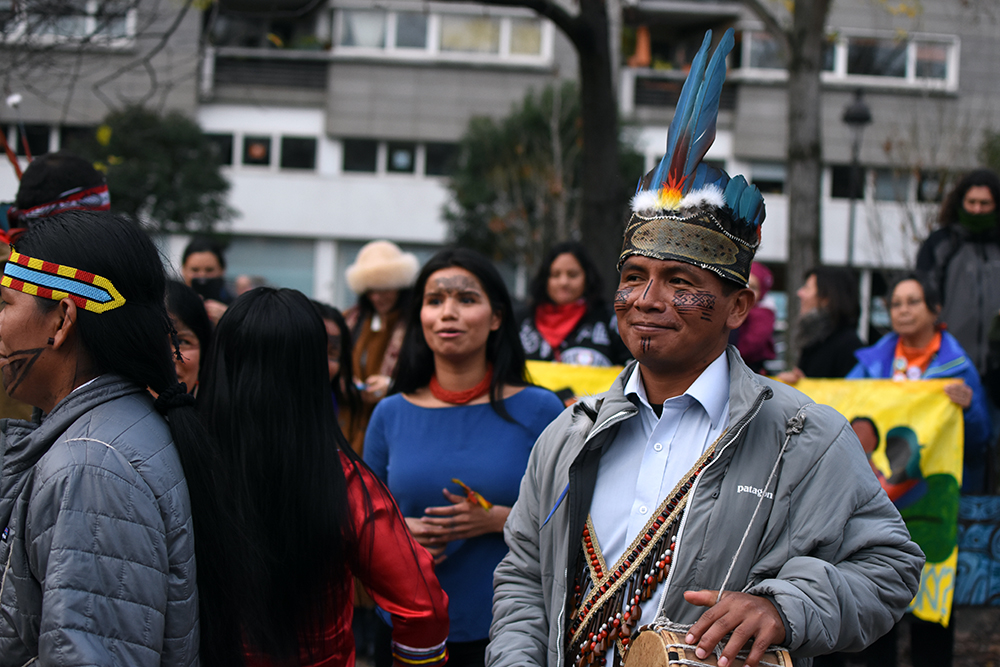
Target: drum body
663, 648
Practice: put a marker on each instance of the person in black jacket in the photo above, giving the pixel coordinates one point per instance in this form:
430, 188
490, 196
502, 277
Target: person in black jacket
962, 257
568, 319
828, 321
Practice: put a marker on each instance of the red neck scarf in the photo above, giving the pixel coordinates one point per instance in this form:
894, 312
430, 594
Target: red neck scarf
466, 395
556, 322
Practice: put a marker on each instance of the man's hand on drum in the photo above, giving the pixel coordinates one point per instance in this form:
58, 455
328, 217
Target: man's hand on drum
745, 616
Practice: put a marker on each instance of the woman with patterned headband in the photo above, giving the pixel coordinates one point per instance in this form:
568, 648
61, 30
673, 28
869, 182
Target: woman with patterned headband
95, 513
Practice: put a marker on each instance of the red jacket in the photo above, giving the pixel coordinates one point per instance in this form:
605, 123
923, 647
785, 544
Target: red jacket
400, 578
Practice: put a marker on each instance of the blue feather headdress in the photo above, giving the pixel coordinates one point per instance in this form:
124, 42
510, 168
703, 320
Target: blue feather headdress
688, 211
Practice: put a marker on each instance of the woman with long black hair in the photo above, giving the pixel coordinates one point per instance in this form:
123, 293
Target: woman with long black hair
97, 532
310, 515
339, 360
461, 413
194, 332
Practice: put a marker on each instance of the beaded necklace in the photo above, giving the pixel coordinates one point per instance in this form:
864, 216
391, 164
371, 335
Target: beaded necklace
606, 602
465, 395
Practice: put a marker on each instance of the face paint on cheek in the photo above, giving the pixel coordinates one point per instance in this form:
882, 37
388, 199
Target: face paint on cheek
621, 298
702, 303
18, 367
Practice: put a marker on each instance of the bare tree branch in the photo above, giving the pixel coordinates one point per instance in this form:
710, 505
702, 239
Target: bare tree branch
144, 61
771, 23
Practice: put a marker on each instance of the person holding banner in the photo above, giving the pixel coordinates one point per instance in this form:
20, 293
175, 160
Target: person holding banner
695, 495
920, 348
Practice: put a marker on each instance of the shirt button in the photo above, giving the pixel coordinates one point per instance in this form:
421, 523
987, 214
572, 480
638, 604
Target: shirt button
643, 510
658, 447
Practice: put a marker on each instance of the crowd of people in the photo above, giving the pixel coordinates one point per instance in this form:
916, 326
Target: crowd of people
213, 474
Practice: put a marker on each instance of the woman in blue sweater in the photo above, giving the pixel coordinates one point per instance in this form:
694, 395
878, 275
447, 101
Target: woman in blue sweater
919, 349
461, 413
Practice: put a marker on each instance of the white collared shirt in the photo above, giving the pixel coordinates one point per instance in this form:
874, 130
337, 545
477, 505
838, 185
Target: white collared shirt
650, 455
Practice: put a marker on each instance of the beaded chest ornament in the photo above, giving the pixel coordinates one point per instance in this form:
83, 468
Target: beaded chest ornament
606, 601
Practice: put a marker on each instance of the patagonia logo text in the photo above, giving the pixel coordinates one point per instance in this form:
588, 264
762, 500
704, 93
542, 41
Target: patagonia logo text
741, 488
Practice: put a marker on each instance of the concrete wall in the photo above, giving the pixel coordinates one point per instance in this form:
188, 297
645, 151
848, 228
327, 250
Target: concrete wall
78, 85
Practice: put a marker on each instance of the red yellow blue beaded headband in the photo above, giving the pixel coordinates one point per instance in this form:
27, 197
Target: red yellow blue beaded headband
57, 282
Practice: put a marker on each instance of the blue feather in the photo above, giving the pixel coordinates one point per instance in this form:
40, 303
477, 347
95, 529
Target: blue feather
705, 175
707, 108
692, 129
745, 201
685, 105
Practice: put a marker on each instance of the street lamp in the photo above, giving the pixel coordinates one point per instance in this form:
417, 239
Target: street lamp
856, 116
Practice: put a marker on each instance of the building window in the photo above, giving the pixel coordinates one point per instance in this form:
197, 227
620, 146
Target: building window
362, 28
402, 157
525, 37
37, 136
869, 56
360, 155
920, 59
304, 30
769, 177
76, 138
221, 146
7, 15
931, 60
931, 186
99, 21
840, 182
440, 159
403, 34
765, 51
411, 30
470, 34
298, 153
256, 150
891, 185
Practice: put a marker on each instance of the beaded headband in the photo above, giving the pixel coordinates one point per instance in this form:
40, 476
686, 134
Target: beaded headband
97, 198
57, 282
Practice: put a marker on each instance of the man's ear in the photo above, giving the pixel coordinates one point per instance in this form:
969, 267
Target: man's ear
741, 302
67, 310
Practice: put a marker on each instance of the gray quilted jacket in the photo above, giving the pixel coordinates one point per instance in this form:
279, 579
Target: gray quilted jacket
96, 535
828, 547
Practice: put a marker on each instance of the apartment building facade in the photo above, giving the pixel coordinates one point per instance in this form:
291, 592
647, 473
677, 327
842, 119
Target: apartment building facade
338, 121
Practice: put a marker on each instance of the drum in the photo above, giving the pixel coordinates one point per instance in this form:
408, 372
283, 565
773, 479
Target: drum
663, 648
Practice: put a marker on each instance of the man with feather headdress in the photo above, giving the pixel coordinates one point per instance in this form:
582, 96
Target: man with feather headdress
695, 494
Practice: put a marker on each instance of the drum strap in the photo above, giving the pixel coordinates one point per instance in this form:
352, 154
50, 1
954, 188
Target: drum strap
606, 601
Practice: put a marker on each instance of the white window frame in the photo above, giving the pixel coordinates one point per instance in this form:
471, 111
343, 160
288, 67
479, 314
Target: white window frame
839, 75
20, 32
431, 52
910, 79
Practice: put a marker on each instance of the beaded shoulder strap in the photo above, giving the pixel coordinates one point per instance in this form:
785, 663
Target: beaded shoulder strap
606, 601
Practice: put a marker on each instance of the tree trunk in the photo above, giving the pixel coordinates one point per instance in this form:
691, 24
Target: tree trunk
805, 152
601, 223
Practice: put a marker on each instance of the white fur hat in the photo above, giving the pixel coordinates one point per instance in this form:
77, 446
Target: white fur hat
382, 265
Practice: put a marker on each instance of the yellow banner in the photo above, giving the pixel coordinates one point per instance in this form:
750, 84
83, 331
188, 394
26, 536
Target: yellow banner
916, 450
917, 455
582, 380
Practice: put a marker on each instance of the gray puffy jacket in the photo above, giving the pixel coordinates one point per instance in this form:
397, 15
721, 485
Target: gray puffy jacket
96, 538
828, 547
